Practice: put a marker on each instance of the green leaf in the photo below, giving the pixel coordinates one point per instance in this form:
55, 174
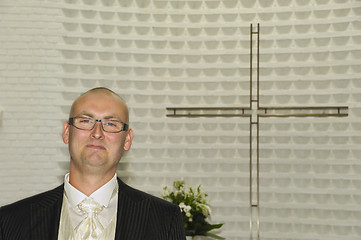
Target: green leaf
212, 235
215, 226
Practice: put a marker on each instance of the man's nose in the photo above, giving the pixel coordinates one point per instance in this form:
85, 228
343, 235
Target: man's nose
97, 131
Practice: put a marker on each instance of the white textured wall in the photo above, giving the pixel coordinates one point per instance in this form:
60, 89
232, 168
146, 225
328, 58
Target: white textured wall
29, 98
159, 54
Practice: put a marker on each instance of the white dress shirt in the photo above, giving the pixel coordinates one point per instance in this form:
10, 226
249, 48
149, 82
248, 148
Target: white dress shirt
107, 196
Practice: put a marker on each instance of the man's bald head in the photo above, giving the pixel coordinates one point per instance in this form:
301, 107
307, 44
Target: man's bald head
100, 90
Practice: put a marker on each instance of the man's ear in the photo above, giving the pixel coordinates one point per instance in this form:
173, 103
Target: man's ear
65, 134
128, 140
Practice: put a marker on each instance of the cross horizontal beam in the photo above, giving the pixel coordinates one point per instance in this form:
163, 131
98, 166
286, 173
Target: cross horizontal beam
313, 111
208, 112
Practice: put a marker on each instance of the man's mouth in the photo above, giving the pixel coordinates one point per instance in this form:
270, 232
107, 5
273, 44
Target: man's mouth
96, 147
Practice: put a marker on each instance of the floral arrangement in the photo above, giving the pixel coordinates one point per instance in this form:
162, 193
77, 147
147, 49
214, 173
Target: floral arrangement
194, 206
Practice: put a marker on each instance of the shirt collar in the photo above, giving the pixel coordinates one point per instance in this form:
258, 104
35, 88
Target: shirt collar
102, 195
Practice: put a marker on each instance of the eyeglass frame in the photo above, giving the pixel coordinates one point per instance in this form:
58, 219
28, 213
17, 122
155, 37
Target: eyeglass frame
124, 128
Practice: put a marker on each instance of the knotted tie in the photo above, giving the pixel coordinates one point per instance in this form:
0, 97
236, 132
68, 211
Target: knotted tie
90, 228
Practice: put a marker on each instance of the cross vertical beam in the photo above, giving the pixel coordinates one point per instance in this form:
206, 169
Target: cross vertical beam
251, 66
261, 111
254, 222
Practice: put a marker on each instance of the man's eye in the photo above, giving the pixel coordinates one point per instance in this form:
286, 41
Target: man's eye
111, 124
85, 121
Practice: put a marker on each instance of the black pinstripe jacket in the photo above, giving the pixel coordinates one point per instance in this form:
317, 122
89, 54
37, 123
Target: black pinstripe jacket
140, 216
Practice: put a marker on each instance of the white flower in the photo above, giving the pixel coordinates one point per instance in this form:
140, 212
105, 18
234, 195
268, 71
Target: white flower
185, 208
182, 206
206, 211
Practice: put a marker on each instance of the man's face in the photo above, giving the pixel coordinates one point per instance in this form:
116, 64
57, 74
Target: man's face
96, 151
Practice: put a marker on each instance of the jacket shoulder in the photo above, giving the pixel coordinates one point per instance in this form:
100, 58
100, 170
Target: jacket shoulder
138, 195
42, 199
16, 218
161, 219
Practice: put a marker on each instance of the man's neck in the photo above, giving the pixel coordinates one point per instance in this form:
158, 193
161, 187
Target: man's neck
88, 184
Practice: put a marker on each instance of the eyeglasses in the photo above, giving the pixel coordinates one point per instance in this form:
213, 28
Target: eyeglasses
85, 123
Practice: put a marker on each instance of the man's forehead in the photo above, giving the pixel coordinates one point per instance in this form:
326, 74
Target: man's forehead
96, 96
99, 93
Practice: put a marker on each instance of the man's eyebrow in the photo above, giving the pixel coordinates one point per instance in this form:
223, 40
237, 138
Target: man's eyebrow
109, 117
85, 114
112, 117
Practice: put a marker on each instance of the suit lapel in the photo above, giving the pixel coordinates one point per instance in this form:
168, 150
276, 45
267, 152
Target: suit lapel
45, 215
131, 214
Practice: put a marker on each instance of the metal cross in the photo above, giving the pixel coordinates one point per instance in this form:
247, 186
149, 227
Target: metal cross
254, 112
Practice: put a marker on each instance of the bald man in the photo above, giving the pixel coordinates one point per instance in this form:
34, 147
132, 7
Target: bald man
93, 203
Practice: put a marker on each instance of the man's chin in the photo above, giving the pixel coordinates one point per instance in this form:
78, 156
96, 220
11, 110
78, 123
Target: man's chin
95, 159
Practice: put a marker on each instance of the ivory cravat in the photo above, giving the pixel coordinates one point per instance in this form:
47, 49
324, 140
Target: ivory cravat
90, 228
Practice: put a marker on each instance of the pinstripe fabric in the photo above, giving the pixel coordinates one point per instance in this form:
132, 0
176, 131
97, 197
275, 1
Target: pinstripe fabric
34, 218
140, 217
144, 217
